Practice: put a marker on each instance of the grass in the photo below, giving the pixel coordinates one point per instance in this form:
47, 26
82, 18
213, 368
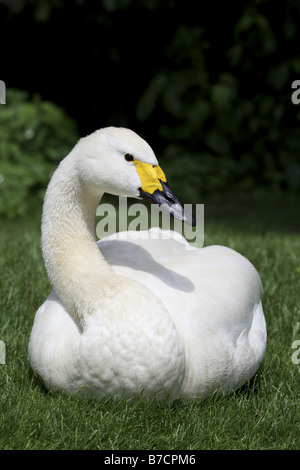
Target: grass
264, 414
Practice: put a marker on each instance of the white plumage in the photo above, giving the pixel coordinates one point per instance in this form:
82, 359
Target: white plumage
134, 314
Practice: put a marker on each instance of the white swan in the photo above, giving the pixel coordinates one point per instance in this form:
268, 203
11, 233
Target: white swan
150, 315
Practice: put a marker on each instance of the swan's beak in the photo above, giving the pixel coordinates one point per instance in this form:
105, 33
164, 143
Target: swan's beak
156, 190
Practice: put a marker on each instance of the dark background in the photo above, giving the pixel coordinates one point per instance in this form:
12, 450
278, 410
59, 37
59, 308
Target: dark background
207, 84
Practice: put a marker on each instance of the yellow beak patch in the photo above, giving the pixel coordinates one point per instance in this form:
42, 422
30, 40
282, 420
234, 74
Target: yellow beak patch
150, 176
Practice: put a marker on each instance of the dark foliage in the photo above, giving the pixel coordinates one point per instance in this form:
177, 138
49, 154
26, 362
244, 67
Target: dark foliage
208, 85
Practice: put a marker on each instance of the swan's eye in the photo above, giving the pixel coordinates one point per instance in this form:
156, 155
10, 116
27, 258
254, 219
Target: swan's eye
128, 157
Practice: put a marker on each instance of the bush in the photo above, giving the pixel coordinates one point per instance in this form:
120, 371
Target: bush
34, 136
228, 125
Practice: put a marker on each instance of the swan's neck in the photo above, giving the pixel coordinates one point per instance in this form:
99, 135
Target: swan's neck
75, 266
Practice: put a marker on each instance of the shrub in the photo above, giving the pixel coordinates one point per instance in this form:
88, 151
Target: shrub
34, 136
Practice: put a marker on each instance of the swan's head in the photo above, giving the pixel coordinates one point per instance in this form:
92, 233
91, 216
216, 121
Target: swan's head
118, 161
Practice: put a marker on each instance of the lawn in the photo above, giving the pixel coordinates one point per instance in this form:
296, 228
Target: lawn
264, 414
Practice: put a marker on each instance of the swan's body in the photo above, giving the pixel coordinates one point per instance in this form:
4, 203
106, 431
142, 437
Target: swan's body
153, 315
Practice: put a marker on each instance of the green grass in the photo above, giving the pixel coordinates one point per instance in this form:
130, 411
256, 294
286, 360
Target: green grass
264, 414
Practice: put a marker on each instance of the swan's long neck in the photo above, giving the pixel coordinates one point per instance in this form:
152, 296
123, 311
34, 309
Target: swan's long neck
75, 266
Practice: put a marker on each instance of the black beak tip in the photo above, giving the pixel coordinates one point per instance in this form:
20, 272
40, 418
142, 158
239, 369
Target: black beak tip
169, 203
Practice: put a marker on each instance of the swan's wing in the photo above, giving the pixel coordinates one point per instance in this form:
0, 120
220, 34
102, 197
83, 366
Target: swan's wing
161, 244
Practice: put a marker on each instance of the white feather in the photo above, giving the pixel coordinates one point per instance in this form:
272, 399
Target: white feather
136, 313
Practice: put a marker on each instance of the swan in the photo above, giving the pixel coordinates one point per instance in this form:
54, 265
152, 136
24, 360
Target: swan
137, 315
